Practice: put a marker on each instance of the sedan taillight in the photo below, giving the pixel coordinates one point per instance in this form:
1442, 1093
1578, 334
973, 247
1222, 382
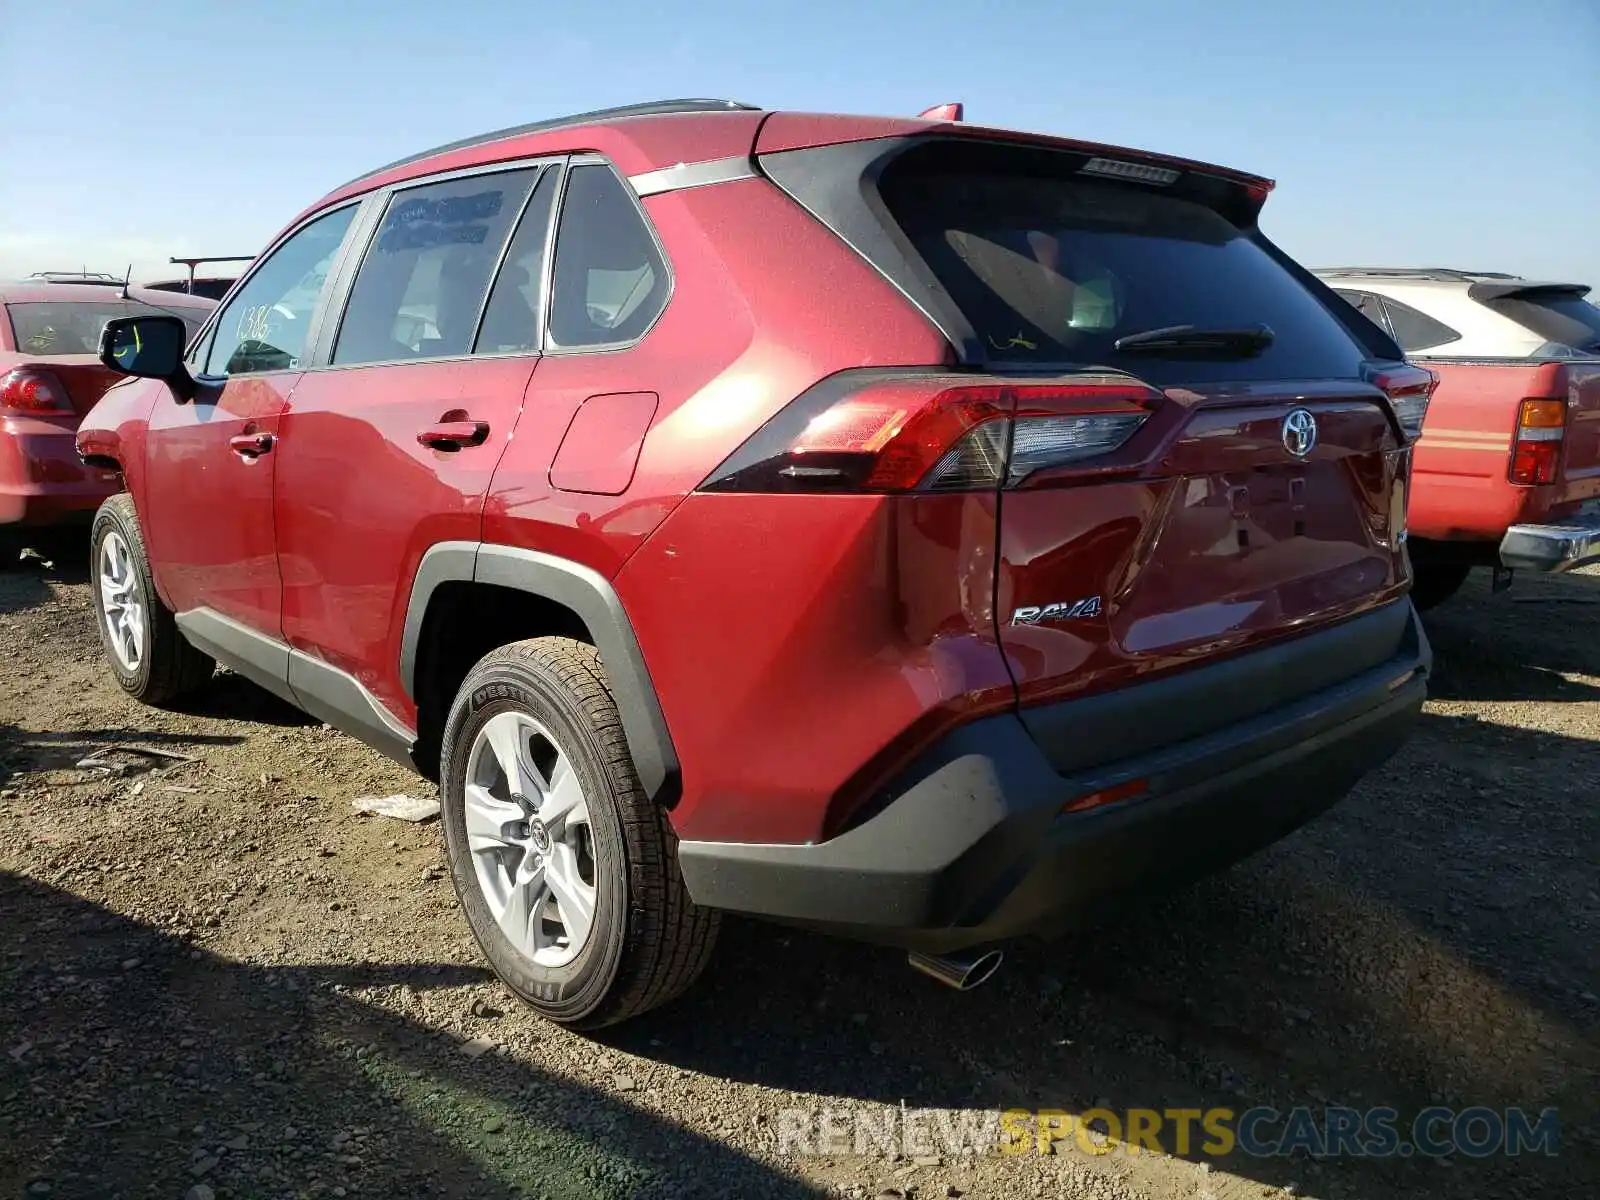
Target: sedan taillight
30, 389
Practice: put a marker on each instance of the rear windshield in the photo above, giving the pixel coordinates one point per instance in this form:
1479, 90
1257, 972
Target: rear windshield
1565, 320
1050, 267
73, 326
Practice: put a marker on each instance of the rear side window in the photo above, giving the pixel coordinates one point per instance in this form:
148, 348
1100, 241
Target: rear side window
1563, 318
73, 327
1051, 267
1416, 330
511, 318
421, 286
610, 281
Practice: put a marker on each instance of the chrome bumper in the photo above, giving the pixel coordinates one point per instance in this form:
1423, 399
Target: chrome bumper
1550, 548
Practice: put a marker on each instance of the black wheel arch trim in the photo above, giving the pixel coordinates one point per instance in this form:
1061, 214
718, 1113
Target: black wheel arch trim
588, 594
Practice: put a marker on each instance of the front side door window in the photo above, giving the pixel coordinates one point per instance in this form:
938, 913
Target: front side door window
208, 491
267, 324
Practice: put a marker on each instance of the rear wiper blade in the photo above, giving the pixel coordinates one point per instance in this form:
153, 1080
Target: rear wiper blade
1250, 340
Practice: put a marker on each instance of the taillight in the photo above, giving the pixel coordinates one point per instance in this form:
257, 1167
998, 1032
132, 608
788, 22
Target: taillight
933, 433
28, 389
1409, 389
1536, 453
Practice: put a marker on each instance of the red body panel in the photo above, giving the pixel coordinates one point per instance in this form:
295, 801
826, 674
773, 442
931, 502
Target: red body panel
115, 432
600, 451
801, 647
737, 342
42, 479
206, 510
784, 673
1461, 489
1214, 546
359, 500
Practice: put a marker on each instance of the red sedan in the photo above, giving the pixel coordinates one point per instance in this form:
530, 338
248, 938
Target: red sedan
49, 377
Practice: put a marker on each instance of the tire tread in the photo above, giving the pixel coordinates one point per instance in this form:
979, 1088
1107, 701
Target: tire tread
176, 667
670, 938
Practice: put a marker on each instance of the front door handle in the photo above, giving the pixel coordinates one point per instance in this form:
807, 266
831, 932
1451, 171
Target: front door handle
250, 445
453, 435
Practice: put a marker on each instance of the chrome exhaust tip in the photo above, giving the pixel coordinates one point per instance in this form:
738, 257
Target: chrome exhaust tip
960, 971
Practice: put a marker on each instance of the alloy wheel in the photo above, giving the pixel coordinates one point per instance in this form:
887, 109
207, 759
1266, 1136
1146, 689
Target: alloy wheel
528, 829
120, 603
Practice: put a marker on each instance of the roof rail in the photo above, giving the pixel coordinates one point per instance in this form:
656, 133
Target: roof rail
1437, 274
91, 277
653, 108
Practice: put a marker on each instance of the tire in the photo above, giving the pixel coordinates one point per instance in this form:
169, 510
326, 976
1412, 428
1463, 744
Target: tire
646, 942
1434, 583
10, 548
166, 666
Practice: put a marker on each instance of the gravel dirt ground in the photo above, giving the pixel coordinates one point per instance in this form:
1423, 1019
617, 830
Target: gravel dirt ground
216, 979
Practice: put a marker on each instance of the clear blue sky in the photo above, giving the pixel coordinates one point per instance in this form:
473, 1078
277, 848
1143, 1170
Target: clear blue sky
1402, 132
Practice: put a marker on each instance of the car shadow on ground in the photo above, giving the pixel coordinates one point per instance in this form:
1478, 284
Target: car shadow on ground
24, 584
135, 1065
230, 697
1498, 647
124, 752
1449, 968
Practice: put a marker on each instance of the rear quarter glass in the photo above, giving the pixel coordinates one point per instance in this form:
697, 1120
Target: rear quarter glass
1050, 266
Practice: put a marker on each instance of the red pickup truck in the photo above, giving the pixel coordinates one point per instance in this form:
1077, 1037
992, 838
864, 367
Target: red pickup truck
1507, 472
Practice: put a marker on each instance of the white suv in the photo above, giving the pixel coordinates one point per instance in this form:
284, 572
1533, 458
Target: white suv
1461, 314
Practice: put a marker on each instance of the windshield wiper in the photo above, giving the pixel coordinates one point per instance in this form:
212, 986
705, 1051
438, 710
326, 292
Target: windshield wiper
1242, 342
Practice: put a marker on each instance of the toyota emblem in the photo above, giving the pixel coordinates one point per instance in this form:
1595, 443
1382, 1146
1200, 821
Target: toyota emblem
1299, 432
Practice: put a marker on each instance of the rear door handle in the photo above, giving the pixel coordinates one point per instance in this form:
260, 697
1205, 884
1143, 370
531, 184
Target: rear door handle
453, 435
251, 445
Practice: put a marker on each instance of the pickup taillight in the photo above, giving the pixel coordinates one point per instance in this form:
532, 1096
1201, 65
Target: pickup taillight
1536, 452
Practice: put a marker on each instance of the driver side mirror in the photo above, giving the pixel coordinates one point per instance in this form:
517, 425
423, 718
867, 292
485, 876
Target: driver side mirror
148, 347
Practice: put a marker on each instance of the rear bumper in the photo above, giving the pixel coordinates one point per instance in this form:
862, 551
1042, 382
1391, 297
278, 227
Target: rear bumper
1559, 546
974, 848
42, 479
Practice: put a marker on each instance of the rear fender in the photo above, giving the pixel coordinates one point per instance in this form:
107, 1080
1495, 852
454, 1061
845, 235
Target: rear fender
588, 594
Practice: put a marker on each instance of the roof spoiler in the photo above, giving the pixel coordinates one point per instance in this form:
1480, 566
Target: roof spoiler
1512, 288
192, 263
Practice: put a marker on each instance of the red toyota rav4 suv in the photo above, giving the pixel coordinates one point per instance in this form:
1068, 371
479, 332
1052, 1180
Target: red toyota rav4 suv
902, 528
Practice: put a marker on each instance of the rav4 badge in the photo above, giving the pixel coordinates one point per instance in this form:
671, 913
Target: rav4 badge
1061, 610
